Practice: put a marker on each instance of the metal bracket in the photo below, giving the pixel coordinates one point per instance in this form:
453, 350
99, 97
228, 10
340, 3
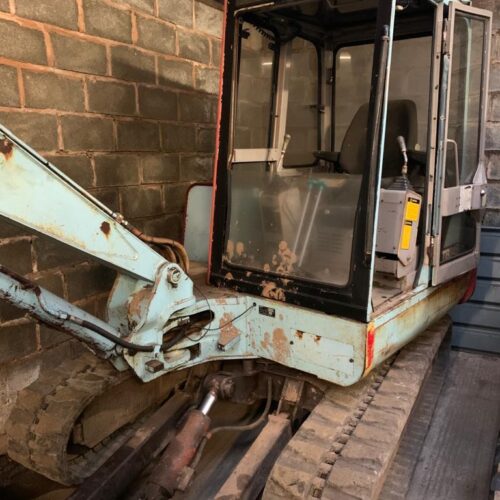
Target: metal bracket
291, 395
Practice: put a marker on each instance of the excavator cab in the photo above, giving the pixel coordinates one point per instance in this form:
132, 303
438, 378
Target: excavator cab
349, 171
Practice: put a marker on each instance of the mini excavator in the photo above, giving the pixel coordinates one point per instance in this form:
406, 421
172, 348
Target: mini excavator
343, 222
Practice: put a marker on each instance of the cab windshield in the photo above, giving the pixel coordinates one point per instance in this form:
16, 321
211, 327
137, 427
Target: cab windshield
299, 150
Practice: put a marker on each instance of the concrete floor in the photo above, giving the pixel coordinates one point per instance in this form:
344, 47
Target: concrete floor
448, 449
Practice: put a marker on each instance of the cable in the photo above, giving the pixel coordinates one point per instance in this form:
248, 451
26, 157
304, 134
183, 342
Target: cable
255, 423
29, 285
220, 327
118, 340
241, 428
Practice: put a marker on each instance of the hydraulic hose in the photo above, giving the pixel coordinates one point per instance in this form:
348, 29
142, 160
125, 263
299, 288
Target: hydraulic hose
240, 428
110, 336
60, 316
172, 246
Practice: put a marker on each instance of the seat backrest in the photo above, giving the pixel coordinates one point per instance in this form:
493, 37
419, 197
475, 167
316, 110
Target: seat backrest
401, 120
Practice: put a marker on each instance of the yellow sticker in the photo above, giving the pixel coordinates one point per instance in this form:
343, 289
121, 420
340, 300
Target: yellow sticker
412, 209
406, 235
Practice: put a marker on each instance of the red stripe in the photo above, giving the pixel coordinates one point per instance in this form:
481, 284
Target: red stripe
370, 344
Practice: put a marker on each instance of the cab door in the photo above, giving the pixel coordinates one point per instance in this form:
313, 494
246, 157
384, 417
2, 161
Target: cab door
460, 173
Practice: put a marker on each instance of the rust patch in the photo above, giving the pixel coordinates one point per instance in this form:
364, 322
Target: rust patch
423, 313
228, 332
138, 302
105, 228
266, 343
317, 338
284, 260
6, 148
280, 345
271, 291
299, 334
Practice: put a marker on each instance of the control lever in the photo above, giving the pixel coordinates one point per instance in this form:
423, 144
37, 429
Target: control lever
286, 141
404, 152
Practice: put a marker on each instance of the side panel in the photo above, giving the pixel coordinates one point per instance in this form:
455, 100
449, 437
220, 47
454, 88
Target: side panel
197, 222
394, 329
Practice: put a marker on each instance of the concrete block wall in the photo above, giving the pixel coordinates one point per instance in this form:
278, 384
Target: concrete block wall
492, 147
121, 95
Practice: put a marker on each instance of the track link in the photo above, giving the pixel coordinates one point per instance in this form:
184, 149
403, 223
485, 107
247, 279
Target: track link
345, 446
40, 425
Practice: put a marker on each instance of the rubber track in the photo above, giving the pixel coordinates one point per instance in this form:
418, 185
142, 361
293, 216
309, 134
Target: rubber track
306, 461
40, 424
305, 469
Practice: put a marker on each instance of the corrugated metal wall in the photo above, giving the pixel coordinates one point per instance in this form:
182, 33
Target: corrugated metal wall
477, 323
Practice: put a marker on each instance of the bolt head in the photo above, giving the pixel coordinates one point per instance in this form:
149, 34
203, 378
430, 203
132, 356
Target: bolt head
174, 276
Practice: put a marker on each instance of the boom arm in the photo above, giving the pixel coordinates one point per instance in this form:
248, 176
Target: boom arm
37, 195
148, 291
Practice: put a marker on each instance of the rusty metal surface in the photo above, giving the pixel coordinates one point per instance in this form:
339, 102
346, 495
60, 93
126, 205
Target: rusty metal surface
250, 475
398, 326
164, 478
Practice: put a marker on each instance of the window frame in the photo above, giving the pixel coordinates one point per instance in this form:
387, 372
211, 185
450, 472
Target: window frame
449, 201
354, 300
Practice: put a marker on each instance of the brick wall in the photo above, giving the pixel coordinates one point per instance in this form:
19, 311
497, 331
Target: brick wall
121, 95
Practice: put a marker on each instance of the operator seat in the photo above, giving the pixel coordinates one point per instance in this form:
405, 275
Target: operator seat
401, 120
